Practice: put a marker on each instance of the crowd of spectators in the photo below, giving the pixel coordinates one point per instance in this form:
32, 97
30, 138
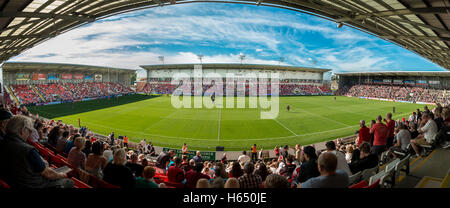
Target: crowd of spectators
395, 92
55, 92
285, 89
111, 161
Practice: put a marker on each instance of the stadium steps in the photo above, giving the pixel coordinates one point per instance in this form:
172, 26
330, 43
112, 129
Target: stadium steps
38, 93
13, 95
426, 169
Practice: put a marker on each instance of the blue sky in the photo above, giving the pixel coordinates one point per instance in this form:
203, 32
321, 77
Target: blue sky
221, 32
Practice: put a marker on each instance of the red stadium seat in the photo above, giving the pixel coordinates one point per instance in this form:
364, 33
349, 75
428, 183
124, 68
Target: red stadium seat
374, 185
175, 185
3, 184
79, 184
99, 183
361, 184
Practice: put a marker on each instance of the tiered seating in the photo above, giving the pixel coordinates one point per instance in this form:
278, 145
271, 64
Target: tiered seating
285, 89
405, 93
54, 92
56, 160
26, 94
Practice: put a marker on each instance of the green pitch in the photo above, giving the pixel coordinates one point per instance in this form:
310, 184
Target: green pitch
311, 119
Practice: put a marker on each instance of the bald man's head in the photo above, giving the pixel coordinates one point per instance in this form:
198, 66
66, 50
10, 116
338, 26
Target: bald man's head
327, 162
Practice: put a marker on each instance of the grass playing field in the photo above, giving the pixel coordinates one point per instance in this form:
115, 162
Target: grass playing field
312, 119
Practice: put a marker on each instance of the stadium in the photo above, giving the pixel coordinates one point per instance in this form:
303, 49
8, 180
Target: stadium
175, 125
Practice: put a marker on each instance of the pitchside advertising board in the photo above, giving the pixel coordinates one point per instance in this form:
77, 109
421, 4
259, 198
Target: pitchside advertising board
191, 154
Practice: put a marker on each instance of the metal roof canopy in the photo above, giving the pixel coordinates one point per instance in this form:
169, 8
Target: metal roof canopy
397, 73
234, 66
421, 26
52, 67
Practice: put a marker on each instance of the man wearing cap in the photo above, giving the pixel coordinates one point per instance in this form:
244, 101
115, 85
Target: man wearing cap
5, 115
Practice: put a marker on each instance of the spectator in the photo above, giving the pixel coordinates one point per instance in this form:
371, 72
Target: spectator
96, 162
289, 167
224, 158
70, 143
184, 149
5, 115
151, 149
298, 152
427, 135
185, 163
232, 183
329, 176
53, 136
276, 181
254, 153
88, 147
366, 161
163, 160
390, 124
244, 158
308, 169
218, 182
341, 162
147, 180
249, 180
219, 171
277, 151
22, 166
62, 142
134, 166
194, 175
262, 171
403, 138
348, 153
198, 157
380, 135
203, 183
363, 133
236, 170
117, 173
176, 174
76, 157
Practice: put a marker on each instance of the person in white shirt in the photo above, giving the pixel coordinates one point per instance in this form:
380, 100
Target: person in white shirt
412, 117
428, 132
244, 158
341, 161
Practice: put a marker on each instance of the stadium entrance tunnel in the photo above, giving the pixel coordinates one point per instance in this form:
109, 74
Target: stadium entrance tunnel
25, 23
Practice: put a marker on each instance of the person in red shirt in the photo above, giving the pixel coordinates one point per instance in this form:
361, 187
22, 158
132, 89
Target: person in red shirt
194, 175
391, 128
176, 174
380, 131
364, 133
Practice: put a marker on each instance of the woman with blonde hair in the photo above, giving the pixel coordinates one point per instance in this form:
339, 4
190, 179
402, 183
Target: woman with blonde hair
76, 157
232, 183
117, 173
348, 153
203, 183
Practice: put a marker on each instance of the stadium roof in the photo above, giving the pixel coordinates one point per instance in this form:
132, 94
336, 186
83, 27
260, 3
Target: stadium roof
33, 66
234, 66
421, 26
399, 73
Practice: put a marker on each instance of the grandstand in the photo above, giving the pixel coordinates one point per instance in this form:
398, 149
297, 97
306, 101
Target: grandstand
413, 87
293, 80
51, 83
419, 26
